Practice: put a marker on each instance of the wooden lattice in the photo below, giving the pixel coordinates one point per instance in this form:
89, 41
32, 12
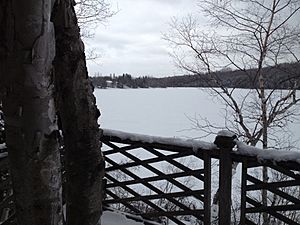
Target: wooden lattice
168, 189
283, 189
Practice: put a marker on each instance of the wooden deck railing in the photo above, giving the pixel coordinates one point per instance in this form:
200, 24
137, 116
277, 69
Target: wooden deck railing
155, 179
167, 179
179, 188
284, 205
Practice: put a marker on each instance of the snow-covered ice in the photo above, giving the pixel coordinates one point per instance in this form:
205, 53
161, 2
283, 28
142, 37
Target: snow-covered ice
165, 112
162, 112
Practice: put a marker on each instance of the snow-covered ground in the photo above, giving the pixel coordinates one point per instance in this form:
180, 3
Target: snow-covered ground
114, 218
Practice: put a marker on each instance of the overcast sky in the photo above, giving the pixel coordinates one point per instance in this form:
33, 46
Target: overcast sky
131, 41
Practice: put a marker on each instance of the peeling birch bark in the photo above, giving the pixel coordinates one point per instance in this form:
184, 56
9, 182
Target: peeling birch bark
29, 112
79, 114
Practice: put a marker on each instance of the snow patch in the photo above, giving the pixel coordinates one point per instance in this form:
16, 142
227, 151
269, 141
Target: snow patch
268, 154
121, 216
2, 146
226, 133
113, 218
3, 155
188, 143
52, 115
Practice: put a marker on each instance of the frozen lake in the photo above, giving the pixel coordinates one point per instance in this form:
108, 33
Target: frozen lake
161, 111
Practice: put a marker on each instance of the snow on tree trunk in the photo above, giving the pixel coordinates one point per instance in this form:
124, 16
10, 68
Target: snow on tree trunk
30, 113
79, 114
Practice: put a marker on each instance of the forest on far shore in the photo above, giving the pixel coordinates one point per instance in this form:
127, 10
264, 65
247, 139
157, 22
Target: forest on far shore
283, 76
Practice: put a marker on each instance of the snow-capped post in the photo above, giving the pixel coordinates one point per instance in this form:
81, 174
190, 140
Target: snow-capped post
225, 142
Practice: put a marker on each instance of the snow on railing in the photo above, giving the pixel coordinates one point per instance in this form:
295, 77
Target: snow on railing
147, 139
267, 154
242, 148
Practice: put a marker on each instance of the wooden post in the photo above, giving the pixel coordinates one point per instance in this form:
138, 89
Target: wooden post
225, 143
243, 192
207, 189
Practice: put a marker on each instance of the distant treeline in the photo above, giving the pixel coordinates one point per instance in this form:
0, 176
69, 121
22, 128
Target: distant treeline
284, 76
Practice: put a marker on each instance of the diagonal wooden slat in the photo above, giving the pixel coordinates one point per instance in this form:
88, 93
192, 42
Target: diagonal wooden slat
126, 204
271, 188
169, 160
159, 177
152, 188
161, 157
154, 170
154, 196
158, 172
148, 161
274, 208
113, 150
261, 185
285, 171
175, 213
152, 205
271, 212
248, 222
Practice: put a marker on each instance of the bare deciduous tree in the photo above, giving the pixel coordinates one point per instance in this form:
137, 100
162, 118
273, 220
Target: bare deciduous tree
90, 13
249, 36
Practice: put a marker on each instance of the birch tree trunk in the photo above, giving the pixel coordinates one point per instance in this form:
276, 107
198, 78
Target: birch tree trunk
79, 114
30, 113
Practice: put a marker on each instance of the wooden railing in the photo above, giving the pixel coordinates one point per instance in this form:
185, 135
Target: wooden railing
168, 179
284, 190
155, 179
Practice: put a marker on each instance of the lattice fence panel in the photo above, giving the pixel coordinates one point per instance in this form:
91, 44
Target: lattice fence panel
283, 192
156, 182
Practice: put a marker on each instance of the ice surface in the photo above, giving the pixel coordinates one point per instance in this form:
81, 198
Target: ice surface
164, 112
